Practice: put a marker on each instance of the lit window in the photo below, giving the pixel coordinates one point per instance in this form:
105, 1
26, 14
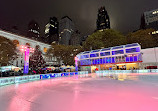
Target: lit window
154, 32
45, 49
46, 30
52, 25
16, 42
155, 12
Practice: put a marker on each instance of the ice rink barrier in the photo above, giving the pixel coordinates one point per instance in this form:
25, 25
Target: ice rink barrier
18, 79
28, 78
107, 72
65, 74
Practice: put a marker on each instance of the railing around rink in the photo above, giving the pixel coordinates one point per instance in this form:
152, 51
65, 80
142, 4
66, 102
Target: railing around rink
65, 74
148, 75
107, 72
28, 78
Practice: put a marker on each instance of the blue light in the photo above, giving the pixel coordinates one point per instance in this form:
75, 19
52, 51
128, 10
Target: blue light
104, 53
117, 52
127, 59
131, 50
93, 61
96, 61
132, 45
84, 56
135, 58
104, 61
94, 55
109, 60
71, 73
113, 60
131, 59
101, 61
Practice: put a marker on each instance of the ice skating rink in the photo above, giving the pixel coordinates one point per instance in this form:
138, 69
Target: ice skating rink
121, 93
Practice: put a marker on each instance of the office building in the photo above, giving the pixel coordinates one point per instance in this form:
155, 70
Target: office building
75, 39
103, 21
151, 20
33, 30
142, 25
66, 28
51, 30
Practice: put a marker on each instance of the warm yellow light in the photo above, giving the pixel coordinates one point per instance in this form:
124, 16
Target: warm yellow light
45, 49
126, 63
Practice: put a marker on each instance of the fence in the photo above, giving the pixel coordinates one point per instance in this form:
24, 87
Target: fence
21, 79
148, 75
127, 71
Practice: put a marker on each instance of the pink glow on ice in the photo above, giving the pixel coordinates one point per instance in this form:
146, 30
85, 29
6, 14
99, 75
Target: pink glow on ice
80, 94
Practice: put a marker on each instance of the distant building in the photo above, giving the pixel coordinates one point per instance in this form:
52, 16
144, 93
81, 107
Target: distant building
151, 20
142, 25
66, 28
103, 21
21, 42
33, 30
51, 30
75, 39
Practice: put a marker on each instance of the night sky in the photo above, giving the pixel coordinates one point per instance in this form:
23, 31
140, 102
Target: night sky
124, 14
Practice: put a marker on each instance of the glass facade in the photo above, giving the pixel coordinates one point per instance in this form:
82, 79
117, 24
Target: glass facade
131, 50
120, 54
104, 53
94, 55
117, 52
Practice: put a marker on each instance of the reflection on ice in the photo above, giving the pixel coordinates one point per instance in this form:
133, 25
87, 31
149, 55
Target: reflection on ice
93, 92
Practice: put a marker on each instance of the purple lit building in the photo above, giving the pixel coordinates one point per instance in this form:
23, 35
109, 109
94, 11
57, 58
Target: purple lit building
124, 57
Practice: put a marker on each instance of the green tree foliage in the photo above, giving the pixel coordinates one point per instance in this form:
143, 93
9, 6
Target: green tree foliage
64, 53
36, 60
143, 37
105, 38
8, 51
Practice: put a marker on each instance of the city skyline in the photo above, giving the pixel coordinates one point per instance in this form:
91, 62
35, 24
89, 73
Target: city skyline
83, 13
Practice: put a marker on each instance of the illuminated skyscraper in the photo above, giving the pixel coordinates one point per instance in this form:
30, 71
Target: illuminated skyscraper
51, 30
33, 30
66, 28
103, 21
149, 19
75, 39
142, 24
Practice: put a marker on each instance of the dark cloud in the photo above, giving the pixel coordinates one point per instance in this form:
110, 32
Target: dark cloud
124, 14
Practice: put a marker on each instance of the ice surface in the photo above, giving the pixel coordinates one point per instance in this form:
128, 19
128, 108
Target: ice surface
135, 93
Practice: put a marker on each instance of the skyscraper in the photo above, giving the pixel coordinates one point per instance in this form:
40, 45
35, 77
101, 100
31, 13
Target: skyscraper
75, 39
51, 30
150, 20
103, 21
66, 28
142, 25
33, 30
